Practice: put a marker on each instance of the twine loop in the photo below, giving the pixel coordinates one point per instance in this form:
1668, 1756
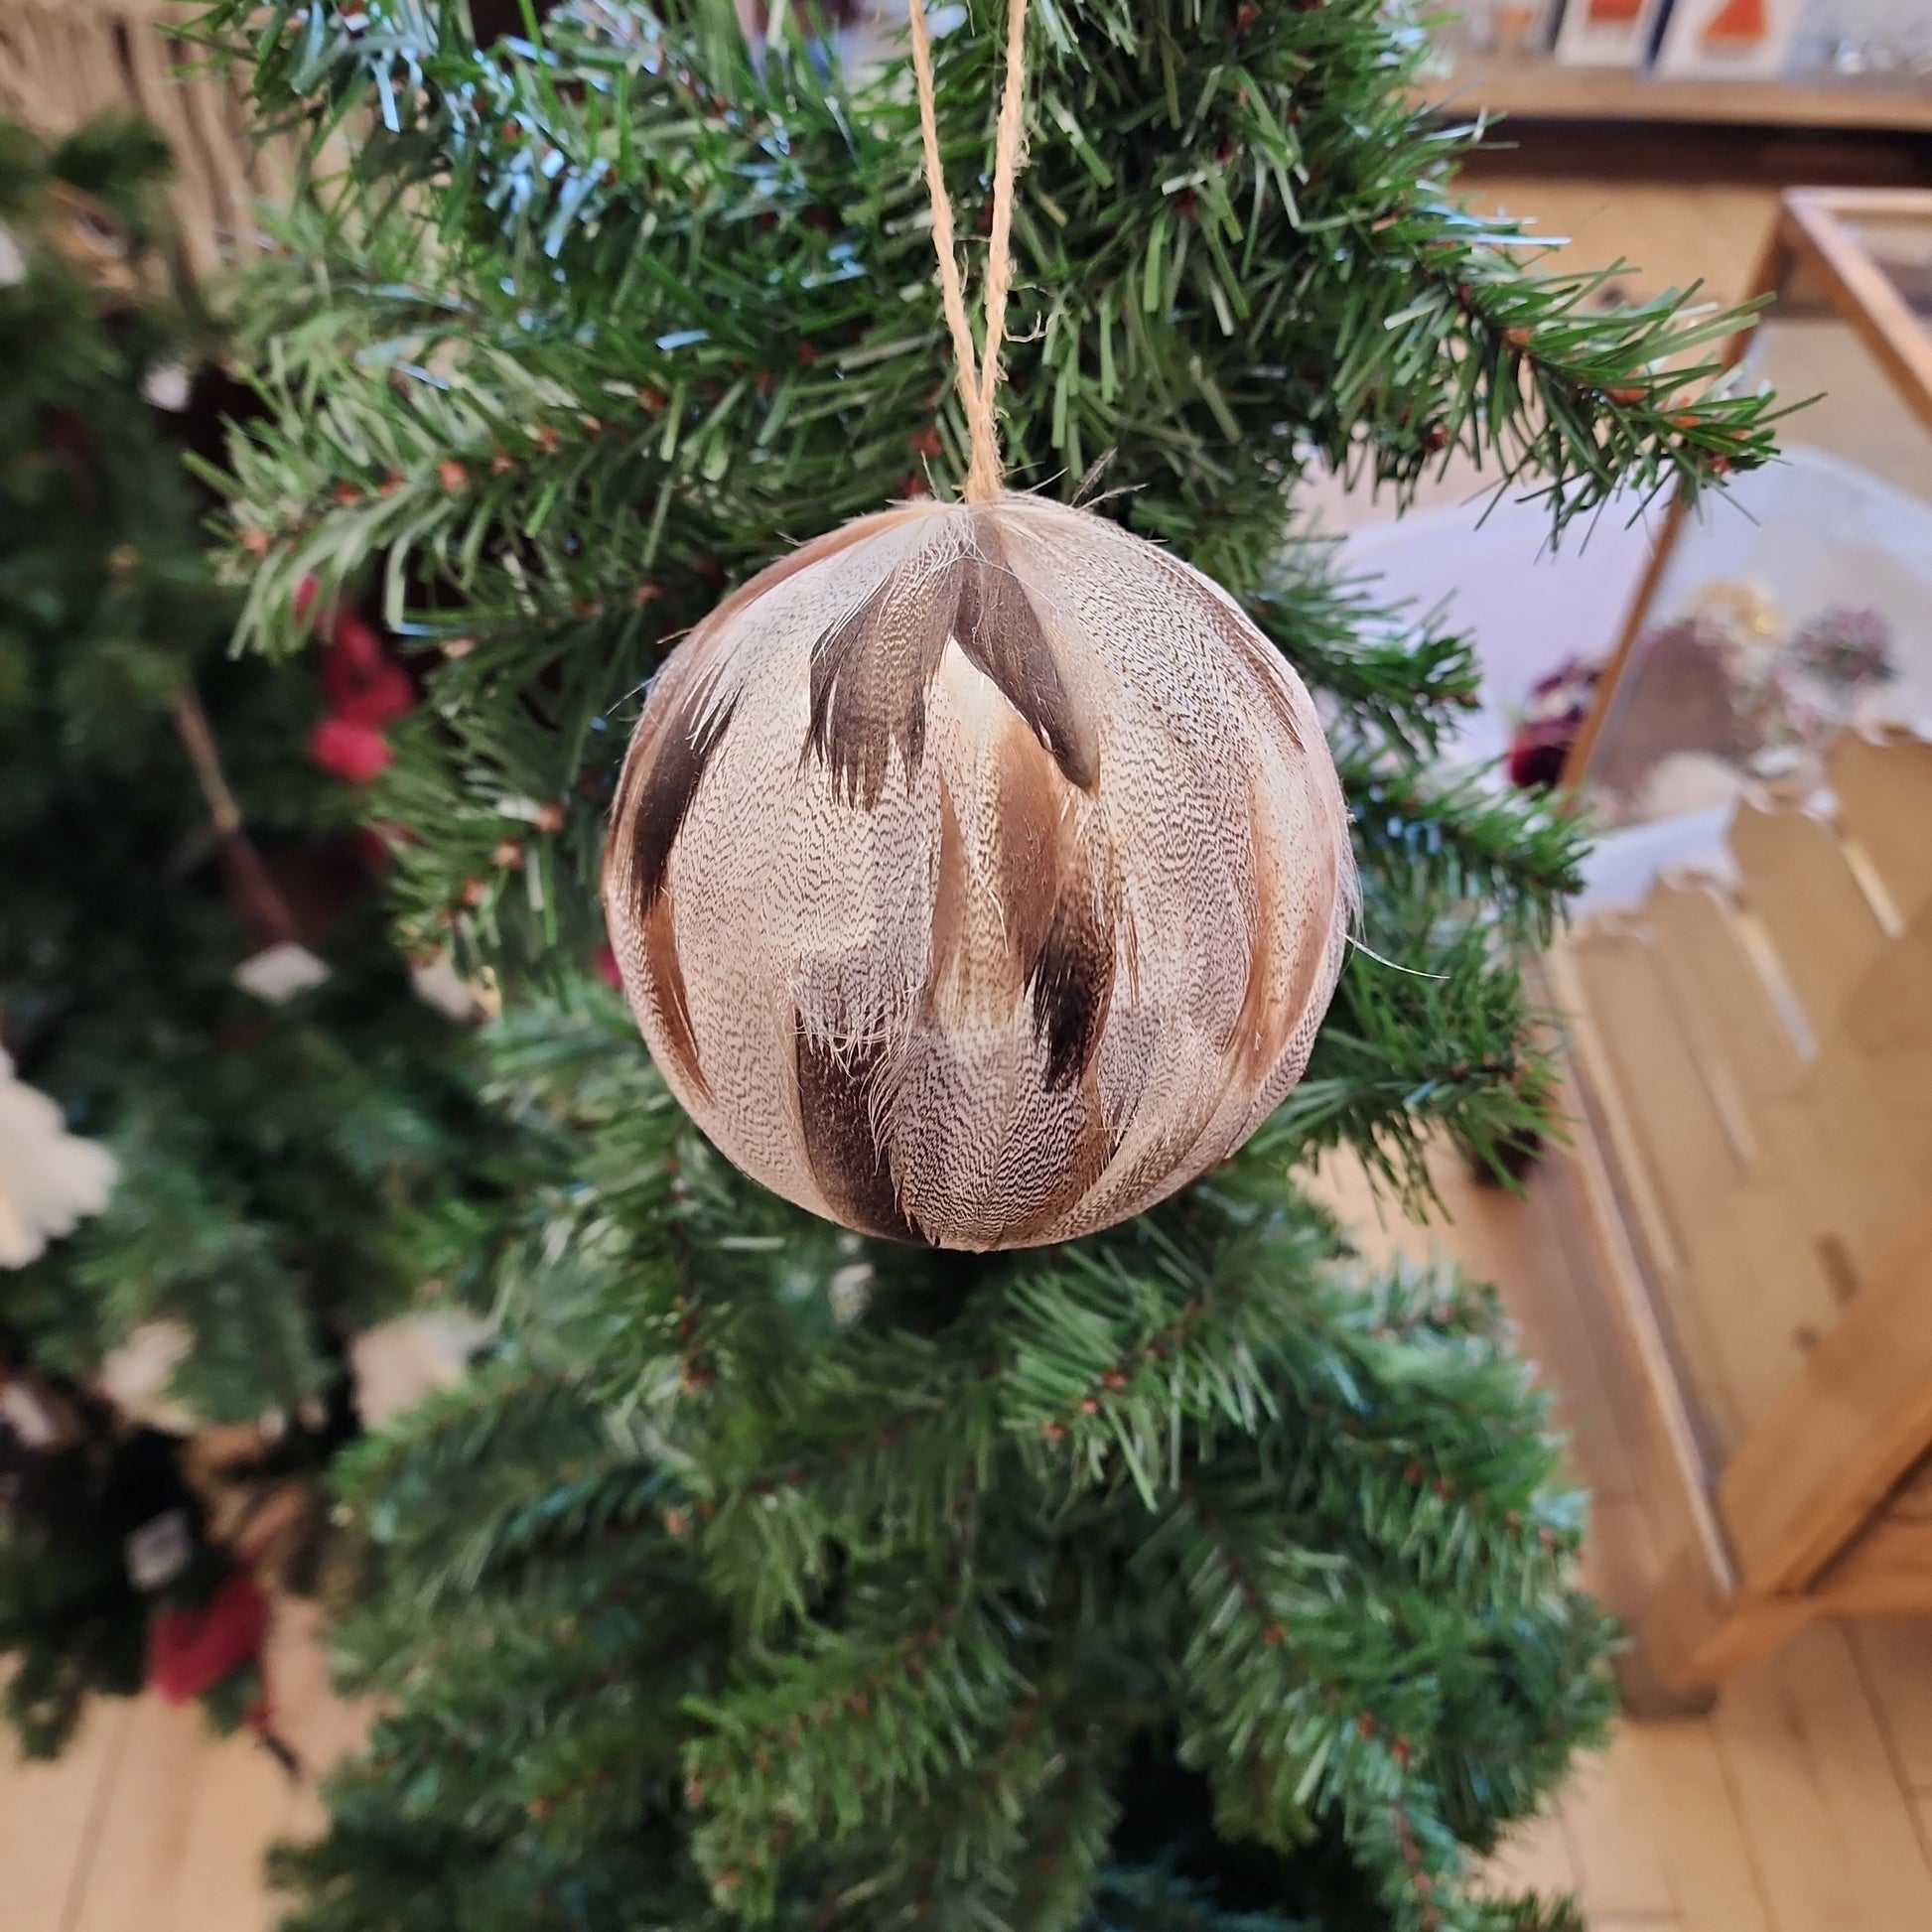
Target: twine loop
978, 376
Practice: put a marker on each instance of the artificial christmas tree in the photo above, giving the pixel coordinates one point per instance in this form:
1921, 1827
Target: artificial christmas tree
236, 1136
193, 963
1178, 1574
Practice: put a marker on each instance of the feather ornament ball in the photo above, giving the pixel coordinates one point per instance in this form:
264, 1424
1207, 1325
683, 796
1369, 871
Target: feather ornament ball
979, 875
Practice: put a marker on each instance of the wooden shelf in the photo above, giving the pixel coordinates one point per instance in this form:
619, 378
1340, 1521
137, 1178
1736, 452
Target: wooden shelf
1536, 87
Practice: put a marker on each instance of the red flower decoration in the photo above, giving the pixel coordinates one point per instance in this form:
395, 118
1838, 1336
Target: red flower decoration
364, 687
360, 683
608, 970
193, 1650
352, 750
1553, 716
1538, 752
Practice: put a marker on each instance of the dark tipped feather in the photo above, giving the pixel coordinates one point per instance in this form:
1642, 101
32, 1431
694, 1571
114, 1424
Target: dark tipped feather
680, 1041
1000, 631
873, 672
1073, 981
836, 1088
658, 788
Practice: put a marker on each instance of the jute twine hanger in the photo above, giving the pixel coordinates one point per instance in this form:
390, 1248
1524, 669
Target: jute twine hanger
978, 377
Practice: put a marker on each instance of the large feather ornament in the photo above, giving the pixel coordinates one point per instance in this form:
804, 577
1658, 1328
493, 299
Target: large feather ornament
979, 875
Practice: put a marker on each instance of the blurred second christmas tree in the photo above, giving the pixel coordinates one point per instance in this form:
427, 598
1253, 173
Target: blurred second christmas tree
272, 1141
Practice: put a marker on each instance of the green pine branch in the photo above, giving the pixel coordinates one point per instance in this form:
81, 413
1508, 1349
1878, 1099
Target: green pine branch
1454, 840
1441, 1042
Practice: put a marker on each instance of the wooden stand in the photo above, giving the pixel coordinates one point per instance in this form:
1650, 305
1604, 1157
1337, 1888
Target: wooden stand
1754, 1083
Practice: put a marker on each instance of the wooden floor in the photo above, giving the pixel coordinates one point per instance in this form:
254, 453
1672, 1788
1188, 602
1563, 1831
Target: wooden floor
149, 1824
1804, 1804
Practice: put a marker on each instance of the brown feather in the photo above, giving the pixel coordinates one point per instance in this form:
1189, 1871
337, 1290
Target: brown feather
1305, 988
673, 1001
820, 550
1072, 979
1000, 631
659, 783
1085, 1154
1251, 1045
872, 671
952, 910
836, 1088
660, 779
1245, 645
1035, 844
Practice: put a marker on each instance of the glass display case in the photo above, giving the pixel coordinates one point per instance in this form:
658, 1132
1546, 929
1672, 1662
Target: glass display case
1800, 600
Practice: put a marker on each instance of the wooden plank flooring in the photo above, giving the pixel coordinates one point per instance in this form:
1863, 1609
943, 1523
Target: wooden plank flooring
149, 1824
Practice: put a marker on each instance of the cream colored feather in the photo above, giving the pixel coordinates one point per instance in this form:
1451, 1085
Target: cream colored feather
979, 875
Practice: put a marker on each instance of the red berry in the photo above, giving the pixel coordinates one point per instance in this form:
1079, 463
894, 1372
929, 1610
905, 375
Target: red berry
353, 750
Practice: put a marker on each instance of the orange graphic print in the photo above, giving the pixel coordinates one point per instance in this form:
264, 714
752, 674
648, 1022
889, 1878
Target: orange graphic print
1737, 23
